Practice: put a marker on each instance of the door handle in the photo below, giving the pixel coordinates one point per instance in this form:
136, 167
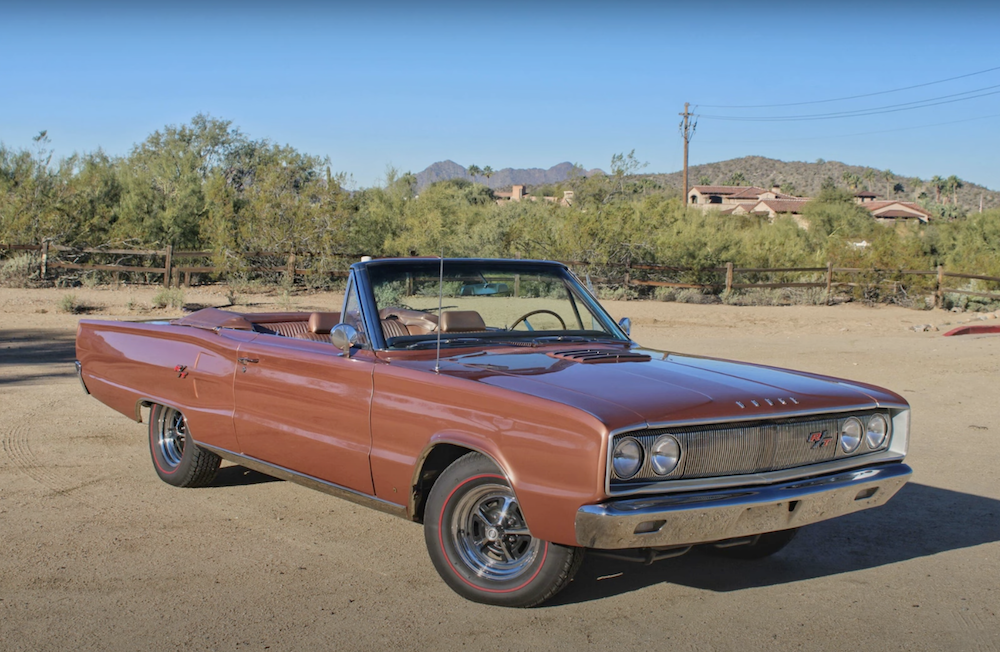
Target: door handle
247, 360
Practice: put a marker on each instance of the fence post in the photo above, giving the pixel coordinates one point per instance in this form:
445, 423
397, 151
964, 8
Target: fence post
45, 259
168, 264
729, 278
628, 275
829, 281
939, 291
290, 269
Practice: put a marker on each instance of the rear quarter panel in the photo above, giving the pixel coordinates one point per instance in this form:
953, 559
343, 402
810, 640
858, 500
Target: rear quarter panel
126, 363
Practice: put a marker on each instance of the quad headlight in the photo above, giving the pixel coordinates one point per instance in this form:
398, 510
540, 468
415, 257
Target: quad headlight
851, 432
877, 431
627, 458
665, 454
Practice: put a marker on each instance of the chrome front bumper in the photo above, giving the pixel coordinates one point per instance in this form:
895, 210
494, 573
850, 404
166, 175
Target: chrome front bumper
707, 516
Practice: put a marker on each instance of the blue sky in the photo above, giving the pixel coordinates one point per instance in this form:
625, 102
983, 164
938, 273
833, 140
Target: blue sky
511, 84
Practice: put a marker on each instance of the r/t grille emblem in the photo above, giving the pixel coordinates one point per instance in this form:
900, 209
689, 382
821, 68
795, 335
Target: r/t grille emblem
820, 439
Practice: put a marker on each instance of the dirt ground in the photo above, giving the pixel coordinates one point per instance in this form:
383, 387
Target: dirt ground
99, 554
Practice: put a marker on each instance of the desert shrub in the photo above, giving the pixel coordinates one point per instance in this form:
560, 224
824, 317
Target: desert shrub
69, 304
390, 294
615, 293
691, 295
664, 294
19, 271
173, 297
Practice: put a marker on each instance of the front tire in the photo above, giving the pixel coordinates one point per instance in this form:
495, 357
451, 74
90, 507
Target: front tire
480, 544
177, 459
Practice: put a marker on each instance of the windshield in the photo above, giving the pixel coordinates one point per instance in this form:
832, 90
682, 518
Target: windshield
484, 300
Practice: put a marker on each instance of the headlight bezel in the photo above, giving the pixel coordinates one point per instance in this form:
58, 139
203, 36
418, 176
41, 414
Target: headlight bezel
640, 459
884, 438
845, 439
665, 440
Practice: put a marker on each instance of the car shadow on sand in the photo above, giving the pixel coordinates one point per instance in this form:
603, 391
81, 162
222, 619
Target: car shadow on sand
918, 522
41, 354
239, 476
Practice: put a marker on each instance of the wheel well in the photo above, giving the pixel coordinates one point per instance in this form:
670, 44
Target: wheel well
438, 459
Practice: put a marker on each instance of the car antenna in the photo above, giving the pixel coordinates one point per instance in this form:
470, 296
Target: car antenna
437, 359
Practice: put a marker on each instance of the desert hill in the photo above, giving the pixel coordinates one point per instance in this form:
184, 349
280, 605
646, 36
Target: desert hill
444, 170
801, 178
796, 177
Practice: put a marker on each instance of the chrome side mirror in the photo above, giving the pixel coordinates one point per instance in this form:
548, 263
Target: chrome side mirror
626, 325
344, 337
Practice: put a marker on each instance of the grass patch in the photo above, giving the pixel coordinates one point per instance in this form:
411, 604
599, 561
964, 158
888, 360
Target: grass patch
19, 271
70, 304
173, 297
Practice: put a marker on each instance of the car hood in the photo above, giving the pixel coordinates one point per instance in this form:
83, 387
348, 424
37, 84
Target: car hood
655, 386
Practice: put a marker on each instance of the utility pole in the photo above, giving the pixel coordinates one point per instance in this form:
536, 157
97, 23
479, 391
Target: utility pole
687, 130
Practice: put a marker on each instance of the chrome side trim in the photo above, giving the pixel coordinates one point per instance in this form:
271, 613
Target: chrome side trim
79, 375
710, 516
308, 481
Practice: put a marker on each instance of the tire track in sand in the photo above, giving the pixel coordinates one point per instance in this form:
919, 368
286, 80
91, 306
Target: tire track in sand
15, 441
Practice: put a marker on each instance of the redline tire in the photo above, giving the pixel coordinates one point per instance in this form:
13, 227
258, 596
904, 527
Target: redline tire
478, 541
765, 546
176, 458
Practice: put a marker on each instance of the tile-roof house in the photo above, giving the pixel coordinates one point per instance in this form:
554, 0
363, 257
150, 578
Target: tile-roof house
895, 211
717, 196
744, 200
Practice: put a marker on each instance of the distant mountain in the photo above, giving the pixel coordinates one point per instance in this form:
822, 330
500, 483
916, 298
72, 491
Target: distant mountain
807, 178
445, 170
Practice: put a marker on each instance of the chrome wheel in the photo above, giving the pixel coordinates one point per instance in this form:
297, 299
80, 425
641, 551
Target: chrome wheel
490, 533
177, 458
171, 436
479, 541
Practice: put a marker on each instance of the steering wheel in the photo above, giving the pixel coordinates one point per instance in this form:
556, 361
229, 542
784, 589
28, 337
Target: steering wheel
525, 316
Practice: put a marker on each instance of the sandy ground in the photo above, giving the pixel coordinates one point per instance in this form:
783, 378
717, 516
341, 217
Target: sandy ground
99, 554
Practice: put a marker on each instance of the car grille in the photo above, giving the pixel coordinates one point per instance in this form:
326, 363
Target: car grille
735, 449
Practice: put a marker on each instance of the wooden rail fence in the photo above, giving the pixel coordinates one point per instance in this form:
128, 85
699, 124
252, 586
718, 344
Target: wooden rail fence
171, 272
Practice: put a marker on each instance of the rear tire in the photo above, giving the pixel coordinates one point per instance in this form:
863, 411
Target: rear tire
480, 544
765, 546
177, 459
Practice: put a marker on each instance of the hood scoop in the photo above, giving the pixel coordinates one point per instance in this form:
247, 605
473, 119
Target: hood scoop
596, 356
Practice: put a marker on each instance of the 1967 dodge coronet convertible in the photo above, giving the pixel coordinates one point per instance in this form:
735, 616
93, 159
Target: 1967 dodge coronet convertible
499, 405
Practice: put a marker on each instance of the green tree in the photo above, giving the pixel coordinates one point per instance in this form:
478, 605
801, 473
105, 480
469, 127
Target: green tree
474, 171
888, 177
869, 176
487, 172
737, 179
937, 183
852, 180
953, 183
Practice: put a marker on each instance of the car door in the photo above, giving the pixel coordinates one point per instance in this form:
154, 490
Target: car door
304, 406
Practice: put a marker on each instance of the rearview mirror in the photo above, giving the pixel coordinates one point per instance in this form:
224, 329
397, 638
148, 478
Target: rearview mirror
344, 337
626, 325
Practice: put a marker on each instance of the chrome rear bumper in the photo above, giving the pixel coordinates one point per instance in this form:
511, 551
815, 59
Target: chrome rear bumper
79, 375
707, 516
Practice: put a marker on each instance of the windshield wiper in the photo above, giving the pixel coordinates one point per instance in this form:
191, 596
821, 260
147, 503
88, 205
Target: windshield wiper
599, 339
451, 341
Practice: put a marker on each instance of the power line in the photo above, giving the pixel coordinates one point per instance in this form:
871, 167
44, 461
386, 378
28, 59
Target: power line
891, 108
862, 133
849, 97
